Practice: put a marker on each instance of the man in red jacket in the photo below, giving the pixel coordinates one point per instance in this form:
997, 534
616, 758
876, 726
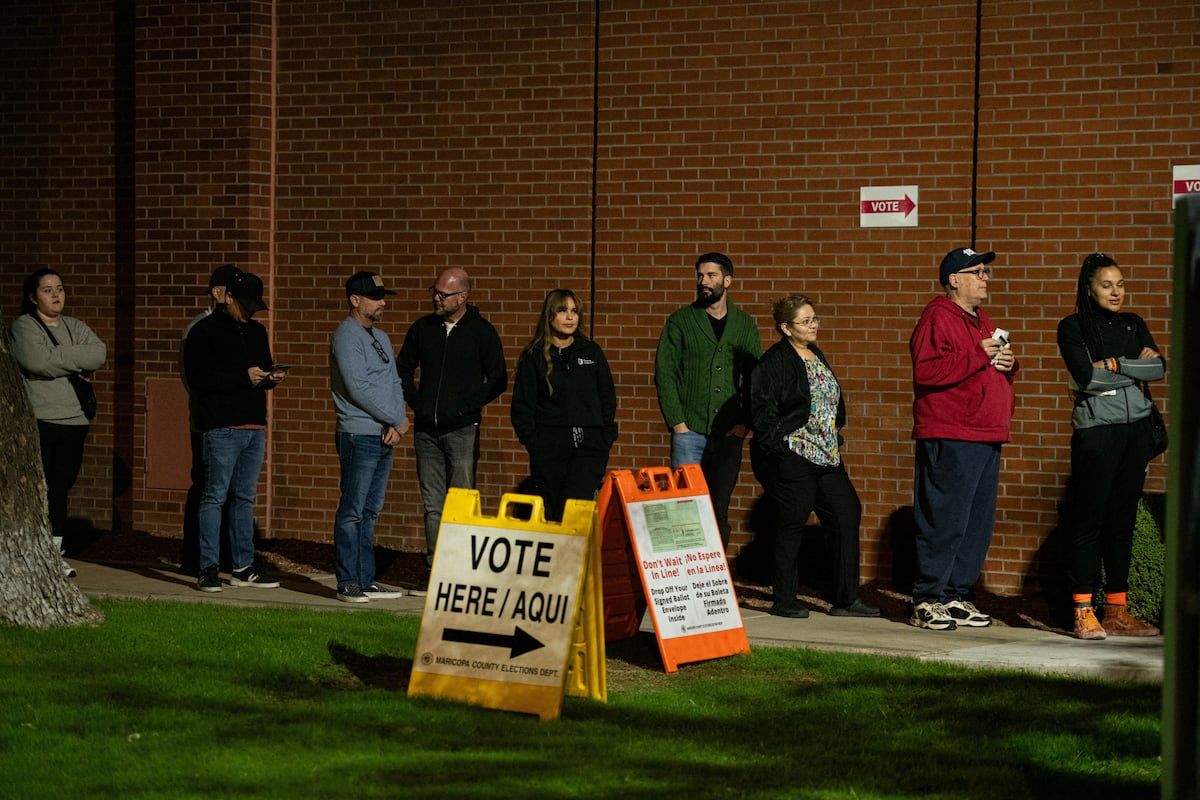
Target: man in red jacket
962, 408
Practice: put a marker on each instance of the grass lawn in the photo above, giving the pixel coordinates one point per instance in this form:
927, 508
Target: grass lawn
183, 700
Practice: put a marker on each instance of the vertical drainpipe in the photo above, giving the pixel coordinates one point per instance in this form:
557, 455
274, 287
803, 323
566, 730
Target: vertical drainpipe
268, 511
975, 124
595, 160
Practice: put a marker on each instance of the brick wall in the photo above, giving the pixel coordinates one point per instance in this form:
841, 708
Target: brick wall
56, 193
406, 140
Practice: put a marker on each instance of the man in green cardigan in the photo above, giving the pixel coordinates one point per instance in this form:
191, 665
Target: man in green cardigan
702, 373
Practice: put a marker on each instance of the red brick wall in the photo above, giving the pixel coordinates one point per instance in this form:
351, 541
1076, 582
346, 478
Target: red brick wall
56, 192
406, 140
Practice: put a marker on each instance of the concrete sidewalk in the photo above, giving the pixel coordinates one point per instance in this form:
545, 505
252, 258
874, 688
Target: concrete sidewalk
999, 646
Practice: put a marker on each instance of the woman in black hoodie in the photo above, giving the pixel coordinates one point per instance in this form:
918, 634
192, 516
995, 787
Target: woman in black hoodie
564, 406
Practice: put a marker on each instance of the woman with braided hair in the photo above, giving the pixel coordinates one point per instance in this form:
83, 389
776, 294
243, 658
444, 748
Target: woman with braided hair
1109, 354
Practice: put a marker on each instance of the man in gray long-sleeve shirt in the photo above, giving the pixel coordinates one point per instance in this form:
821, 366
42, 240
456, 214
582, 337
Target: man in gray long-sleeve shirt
369, 400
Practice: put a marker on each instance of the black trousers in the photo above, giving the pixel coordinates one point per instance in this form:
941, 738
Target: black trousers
1108, 470
721, 465
797, 487
564, 470
62, 458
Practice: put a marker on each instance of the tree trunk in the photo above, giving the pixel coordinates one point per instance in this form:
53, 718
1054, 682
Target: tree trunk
34, 593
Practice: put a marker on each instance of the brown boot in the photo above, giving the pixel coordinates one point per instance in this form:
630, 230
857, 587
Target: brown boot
1118, 622
1086, 624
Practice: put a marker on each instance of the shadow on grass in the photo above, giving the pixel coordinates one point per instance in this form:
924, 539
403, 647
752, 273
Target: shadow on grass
374, 672
232, 701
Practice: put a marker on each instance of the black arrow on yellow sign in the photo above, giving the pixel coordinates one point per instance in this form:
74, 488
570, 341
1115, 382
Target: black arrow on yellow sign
519, 642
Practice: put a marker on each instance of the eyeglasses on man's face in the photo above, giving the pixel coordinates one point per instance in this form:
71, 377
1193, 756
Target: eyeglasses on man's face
980, 273
443, 296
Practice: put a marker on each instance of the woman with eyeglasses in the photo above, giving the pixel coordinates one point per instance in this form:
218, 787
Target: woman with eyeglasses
797, 410
50, 348
1110, 355
564, 406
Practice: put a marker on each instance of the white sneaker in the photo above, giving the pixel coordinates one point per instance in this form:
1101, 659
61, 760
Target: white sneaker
68, 570
964, 613
933, 616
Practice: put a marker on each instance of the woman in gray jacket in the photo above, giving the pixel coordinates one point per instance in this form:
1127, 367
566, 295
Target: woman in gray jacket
1109, 354
50, 347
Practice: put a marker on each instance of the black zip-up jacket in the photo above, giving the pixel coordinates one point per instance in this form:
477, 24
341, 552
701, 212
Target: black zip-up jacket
584, 394
217, 353
780, 398
460, 373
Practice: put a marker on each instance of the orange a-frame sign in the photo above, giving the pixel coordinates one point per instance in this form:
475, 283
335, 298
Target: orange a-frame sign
678, 559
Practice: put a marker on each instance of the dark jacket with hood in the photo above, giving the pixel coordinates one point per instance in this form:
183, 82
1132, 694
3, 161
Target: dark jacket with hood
584, 394
461, 372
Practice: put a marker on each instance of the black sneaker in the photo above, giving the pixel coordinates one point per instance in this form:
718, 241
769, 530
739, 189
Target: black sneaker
965, 614
251, 576
377, 592
209, 580
789, 610
351, 594
420, 588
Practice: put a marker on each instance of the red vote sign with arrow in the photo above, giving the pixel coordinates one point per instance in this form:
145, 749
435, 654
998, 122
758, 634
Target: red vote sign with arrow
888, 206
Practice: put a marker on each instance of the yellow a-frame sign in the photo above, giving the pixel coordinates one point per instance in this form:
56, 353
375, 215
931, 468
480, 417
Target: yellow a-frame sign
512, 617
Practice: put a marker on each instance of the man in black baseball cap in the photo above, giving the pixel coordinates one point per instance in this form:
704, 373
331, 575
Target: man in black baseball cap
366, 284
247, 290
222, 276
228, 364
369, 400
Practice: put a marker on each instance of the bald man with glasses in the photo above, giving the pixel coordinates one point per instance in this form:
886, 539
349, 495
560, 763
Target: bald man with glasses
451, 365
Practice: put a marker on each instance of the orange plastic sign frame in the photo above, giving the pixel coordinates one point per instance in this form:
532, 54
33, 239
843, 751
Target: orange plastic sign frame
678, 559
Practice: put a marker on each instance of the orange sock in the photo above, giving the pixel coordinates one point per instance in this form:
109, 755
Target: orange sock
1115, 598
1082, 600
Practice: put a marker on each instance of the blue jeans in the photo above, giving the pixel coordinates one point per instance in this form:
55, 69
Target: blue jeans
233, 458
366, 462
954, 501
720, 459
687, 448
443, 460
